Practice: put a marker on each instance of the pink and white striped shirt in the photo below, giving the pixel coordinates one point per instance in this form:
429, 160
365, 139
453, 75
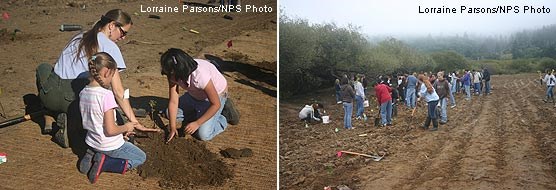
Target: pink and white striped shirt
94, 102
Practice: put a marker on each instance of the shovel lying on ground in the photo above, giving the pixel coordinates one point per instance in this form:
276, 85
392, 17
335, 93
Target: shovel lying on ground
21, 119
375, 158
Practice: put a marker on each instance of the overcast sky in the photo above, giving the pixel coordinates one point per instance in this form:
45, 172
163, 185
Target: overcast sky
401, 17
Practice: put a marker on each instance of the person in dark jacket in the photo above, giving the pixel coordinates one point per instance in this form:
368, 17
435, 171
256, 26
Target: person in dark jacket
486, 78
442, 88
348, 95
338, 89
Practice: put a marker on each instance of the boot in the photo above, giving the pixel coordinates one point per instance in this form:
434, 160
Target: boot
86, 162
48, 120
434, 125
230, 112
103, 163
427, 123
61, 137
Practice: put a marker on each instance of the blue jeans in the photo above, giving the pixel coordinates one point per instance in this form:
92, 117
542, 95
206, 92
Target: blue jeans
359, 106
338, 96
348, 109
487, 87
432, 109
549, 92
452, 93
443, 112
190, 109
386, 112
467, 91
133, 154
477, 87
410, 97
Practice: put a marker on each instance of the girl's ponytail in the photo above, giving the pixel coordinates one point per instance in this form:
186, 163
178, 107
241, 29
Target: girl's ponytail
89, 41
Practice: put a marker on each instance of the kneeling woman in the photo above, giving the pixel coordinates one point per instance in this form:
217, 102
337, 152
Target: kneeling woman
204, 107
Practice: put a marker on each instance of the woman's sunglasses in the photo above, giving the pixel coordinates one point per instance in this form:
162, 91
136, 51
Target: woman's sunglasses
124, 33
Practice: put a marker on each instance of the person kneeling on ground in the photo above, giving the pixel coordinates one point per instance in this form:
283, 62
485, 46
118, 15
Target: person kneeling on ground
205, 108
311, 113
97, 105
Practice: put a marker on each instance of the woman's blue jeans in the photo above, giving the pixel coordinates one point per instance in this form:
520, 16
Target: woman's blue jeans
359, 106
386, 112
348, 110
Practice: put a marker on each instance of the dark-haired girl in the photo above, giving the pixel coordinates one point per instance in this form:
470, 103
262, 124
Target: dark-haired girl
60, 86
203, 109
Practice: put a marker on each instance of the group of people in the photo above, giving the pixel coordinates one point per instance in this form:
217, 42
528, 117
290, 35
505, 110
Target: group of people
84, 88
436, 89
353, 91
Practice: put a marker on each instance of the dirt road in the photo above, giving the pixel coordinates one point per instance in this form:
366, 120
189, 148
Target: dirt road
502, 141
35, 162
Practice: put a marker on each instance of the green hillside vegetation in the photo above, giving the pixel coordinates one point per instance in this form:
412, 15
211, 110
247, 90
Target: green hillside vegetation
312, 56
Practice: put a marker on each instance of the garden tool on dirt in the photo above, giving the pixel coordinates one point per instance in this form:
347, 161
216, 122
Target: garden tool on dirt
413, 111
375, 158
377, 119
22, 119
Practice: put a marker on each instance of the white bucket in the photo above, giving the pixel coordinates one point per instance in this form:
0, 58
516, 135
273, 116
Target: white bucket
366, 103
325, 119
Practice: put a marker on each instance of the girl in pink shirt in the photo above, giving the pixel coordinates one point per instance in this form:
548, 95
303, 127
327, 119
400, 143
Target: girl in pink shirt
205, 108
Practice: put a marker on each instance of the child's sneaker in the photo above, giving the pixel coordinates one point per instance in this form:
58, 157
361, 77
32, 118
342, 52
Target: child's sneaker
61, 137
230, 112
86, 161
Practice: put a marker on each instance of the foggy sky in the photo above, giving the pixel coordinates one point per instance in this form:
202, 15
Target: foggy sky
401, 17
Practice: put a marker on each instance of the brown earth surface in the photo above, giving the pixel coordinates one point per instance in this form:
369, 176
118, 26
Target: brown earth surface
502, 141
36, 162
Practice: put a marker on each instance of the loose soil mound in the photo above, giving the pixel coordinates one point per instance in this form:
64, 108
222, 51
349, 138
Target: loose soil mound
183, 163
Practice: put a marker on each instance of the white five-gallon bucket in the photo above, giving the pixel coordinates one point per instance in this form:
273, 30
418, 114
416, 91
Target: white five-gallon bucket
366, 103
325, 119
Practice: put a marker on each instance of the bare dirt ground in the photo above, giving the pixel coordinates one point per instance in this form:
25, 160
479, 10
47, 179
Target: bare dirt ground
502, 141
35, 162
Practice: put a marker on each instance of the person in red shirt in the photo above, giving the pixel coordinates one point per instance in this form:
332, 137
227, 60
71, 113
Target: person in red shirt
384, 99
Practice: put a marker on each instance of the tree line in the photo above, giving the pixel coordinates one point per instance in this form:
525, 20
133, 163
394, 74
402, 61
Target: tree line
312, 56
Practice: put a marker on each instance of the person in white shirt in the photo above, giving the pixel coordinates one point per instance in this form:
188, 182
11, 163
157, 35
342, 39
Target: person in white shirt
59, 85
550, 81
359, 97
311, 112
477, 82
